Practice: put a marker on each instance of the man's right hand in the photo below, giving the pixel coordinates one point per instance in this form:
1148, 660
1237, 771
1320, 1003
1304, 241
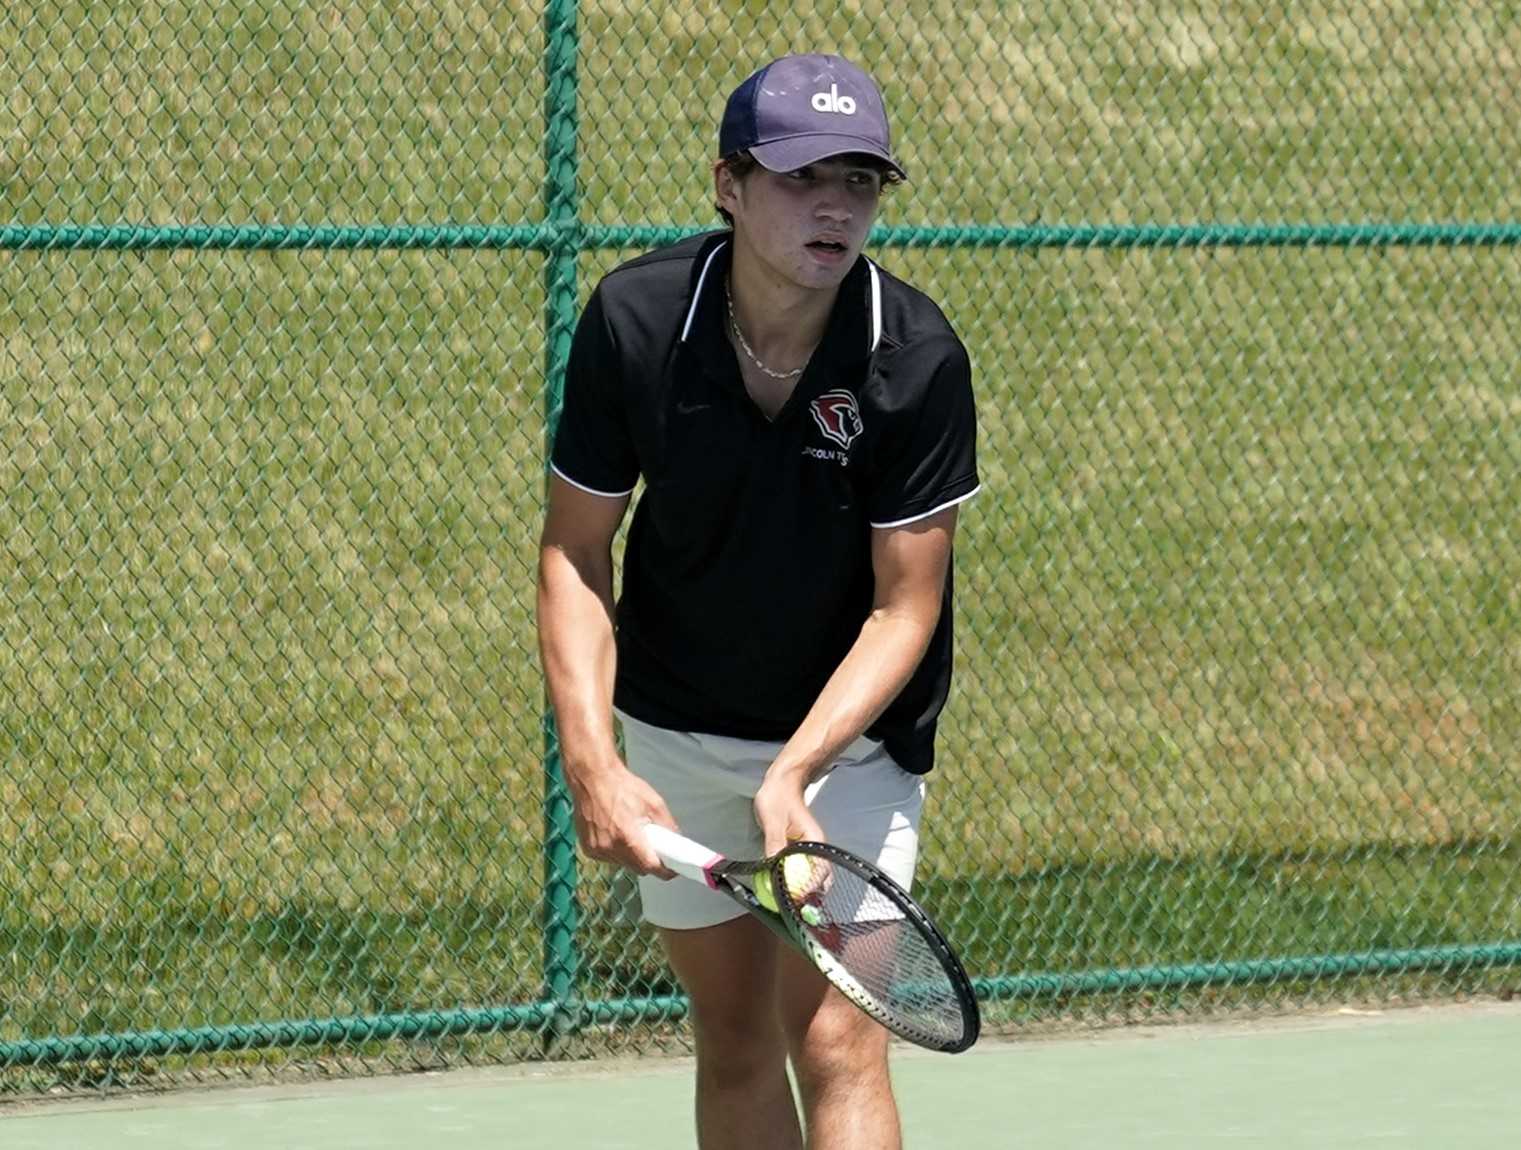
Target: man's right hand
612, 806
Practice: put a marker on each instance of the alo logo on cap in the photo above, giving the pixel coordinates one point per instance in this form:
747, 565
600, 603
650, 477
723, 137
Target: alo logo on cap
832, 101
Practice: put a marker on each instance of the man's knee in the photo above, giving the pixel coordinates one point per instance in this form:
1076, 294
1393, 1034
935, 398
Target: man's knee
737, 1041
727, 973
839, 1047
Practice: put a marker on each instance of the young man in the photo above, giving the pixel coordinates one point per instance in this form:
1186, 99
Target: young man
804, 426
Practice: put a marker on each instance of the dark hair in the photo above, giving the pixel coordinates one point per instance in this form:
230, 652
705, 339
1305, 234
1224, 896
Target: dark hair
741, 164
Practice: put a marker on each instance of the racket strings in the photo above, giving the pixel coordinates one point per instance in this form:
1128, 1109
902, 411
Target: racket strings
895, 971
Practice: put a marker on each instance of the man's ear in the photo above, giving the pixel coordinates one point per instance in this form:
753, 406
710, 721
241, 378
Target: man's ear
726, 188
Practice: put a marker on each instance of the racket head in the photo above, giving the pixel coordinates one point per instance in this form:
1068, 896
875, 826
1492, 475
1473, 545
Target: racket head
878, 947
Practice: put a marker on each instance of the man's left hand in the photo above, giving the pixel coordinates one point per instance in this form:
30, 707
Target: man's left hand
782, 814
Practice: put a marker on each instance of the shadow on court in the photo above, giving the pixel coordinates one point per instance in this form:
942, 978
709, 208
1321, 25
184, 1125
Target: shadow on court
1433, 1077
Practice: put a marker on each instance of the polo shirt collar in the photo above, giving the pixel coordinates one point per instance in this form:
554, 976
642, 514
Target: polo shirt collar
853, 332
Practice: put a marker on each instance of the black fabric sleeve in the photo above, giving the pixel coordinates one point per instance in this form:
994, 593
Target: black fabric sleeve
593, 448
927, 458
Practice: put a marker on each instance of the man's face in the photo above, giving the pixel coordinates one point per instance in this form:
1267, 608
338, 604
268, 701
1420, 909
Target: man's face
806, 226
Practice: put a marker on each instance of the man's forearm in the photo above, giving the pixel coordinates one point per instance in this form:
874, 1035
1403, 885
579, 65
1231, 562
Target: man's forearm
611, 804
576, 644
875, 669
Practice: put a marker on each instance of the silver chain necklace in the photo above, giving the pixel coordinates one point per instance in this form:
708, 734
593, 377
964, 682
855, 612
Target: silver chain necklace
745, 347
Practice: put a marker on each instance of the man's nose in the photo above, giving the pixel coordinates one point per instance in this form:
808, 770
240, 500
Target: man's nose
832, 205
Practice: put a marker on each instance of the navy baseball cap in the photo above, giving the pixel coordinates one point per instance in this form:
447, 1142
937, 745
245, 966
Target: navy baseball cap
799, 110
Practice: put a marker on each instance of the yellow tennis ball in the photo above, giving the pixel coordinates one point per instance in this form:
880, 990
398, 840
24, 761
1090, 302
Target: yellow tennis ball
797, 873
763, 892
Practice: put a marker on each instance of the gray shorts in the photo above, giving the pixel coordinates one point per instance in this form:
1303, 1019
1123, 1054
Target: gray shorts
866, 804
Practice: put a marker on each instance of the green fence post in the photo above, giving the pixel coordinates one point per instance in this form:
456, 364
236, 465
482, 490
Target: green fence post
561, 959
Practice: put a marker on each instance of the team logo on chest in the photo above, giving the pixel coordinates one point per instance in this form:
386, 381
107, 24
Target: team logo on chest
838, 416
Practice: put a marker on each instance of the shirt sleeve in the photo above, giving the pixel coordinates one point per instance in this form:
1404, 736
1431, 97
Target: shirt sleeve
927, 460
593, 448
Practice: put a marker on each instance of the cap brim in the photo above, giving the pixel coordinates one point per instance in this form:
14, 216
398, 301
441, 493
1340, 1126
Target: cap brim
794, 152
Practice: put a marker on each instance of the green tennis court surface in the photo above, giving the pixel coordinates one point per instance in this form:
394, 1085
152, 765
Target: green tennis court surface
1437, 1077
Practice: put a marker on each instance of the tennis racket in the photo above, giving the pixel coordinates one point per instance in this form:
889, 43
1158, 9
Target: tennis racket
855, 924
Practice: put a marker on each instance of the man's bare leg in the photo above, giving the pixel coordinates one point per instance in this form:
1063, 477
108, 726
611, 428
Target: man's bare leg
744, 1101
840, 1056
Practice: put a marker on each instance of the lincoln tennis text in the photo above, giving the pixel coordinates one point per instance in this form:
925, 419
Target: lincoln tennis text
828, 455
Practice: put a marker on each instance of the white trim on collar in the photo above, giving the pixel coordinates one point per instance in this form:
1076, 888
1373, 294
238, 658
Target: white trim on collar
876, 307
686, 328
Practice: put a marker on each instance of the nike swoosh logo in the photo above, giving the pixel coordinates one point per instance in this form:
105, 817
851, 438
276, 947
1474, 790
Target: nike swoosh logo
691, 408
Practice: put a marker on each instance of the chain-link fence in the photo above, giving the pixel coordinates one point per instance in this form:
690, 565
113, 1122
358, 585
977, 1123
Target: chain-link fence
285, 285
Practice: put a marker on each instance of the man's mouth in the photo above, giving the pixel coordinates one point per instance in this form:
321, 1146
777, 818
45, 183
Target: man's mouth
827, 245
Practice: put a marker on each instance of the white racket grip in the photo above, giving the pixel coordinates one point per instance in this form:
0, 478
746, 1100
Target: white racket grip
680, 853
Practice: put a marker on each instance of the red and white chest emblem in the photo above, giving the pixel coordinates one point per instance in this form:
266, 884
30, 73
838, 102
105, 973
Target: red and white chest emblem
838, 416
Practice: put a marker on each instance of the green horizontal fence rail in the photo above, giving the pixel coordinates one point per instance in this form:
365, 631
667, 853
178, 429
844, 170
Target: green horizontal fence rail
582, 237
1235, 721
540, 1016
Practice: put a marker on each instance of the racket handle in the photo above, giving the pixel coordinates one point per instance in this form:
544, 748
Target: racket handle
680, 853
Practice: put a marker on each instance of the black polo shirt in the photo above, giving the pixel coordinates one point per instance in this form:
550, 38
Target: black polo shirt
748, 573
